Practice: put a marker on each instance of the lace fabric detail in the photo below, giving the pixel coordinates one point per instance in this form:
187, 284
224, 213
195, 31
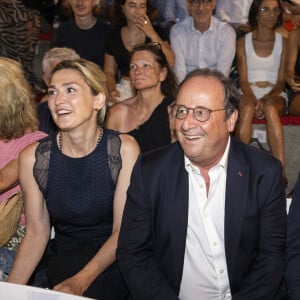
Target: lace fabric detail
114, 156
41, 166
42, 154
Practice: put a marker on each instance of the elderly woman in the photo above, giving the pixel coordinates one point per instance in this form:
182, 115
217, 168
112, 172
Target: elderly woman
146, 115
134, 27
260, 63
78, 185
18, 129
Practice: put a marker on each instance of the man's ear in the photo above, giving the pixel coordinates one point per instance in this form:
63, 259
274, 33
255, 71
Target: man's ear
231, 121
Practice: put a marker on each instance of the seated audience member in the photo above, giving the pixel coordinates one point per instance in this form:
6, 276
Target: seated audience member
51, 58
20, 26
18, 128
293, 245
205, 218
202, 41
235, 12
78, 185
146, 115
260, 64
292, 70
133, 27
83, 32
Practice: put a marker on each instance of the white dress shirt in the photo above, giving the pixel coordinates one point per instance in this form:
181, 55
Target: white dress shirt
205, 270
213, 48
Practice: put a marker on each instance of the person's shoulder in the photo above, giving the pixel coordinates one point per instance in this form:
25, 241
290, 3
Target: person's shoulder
224, 27
163, 155
121, 107
182, 26
67, 25
103, 25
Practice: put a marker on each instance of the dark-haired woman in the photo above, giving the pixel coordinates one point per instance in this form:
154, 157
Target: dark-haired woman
146, 115
133, 27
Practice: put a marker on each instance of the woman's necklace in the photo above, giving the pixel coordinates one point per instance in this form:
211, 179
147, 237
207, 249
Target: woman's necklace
60, 141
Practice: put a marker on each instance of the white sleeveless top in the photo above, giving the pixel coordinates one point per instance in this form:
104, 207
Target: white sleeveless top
263, 68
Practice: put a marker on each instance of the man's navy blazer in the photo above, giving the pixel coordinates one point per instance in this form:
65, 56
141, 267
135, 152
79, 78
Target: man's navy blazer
153, 233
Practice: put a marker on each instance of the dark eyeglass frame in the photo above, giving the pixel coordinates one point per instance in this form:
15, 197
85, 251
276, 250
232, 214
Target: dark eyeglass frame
204, 118
197, 2
266, 11
145, 46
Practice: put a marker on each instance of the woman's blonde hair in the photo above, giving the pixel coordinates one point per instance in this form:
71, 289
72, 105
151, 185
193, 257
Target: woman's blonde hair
17, 107
93, 77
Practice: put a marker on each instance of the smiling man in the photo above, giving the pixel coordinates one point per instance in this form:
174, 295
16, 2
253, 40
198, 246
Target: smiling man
202, 41
205, 217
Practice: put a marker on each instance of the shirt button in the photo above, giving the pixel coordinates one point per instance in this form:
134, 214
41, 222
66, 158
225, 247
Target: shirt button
221, 271
215, 244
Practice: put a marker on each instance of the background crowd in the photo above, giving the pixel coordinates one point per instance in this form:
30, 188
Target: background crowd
113, 86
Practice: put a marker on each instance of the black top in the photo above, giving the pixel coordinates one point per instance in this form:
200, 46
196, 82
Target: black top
116, 48
88, 43
155, 132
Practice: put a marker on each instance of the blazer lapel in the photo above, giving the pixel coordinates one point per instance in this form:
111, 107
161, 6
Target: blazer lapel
178, 213
235, 202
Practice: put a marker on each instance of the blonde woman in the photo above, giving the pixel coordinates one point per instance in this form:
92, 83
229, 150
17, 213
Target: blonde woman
18, 128
80, 189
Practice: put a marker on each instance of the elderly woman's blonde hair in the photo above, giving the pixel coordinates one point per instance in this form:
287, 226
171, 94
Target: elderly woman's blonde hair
17, 107
56, 55
93, 77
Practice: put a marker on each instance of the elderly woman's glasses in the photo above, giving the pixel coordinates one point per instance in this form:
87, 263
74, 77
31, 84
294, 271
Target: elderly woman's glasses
266, 11
200, 113
146, 46
197, 2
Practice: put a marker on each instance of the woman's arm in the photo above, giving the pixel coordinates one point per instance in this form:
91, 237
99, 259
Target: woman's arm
9, 175
150, 32
110, 70
37, 234
106, 255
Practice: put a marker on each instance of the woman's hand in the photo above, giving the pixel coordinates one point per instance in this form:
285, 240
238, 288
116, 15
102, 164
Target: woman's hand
144, 24
114, 95
259, 109
73, 285
295, 85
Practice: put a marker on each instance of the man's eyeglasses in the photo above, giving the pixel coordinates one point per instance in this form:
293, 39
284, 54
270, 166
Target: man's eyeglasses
266, 11
204, 2
200, 113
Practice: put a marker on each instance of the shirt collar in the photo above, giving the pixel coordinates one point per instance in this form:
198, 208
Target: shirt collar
222, 163
211, 27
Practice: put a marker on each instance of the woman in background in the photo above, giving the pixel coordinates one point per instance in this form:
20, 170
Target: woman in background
147, 116
260, 64
133, 27
18, 129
